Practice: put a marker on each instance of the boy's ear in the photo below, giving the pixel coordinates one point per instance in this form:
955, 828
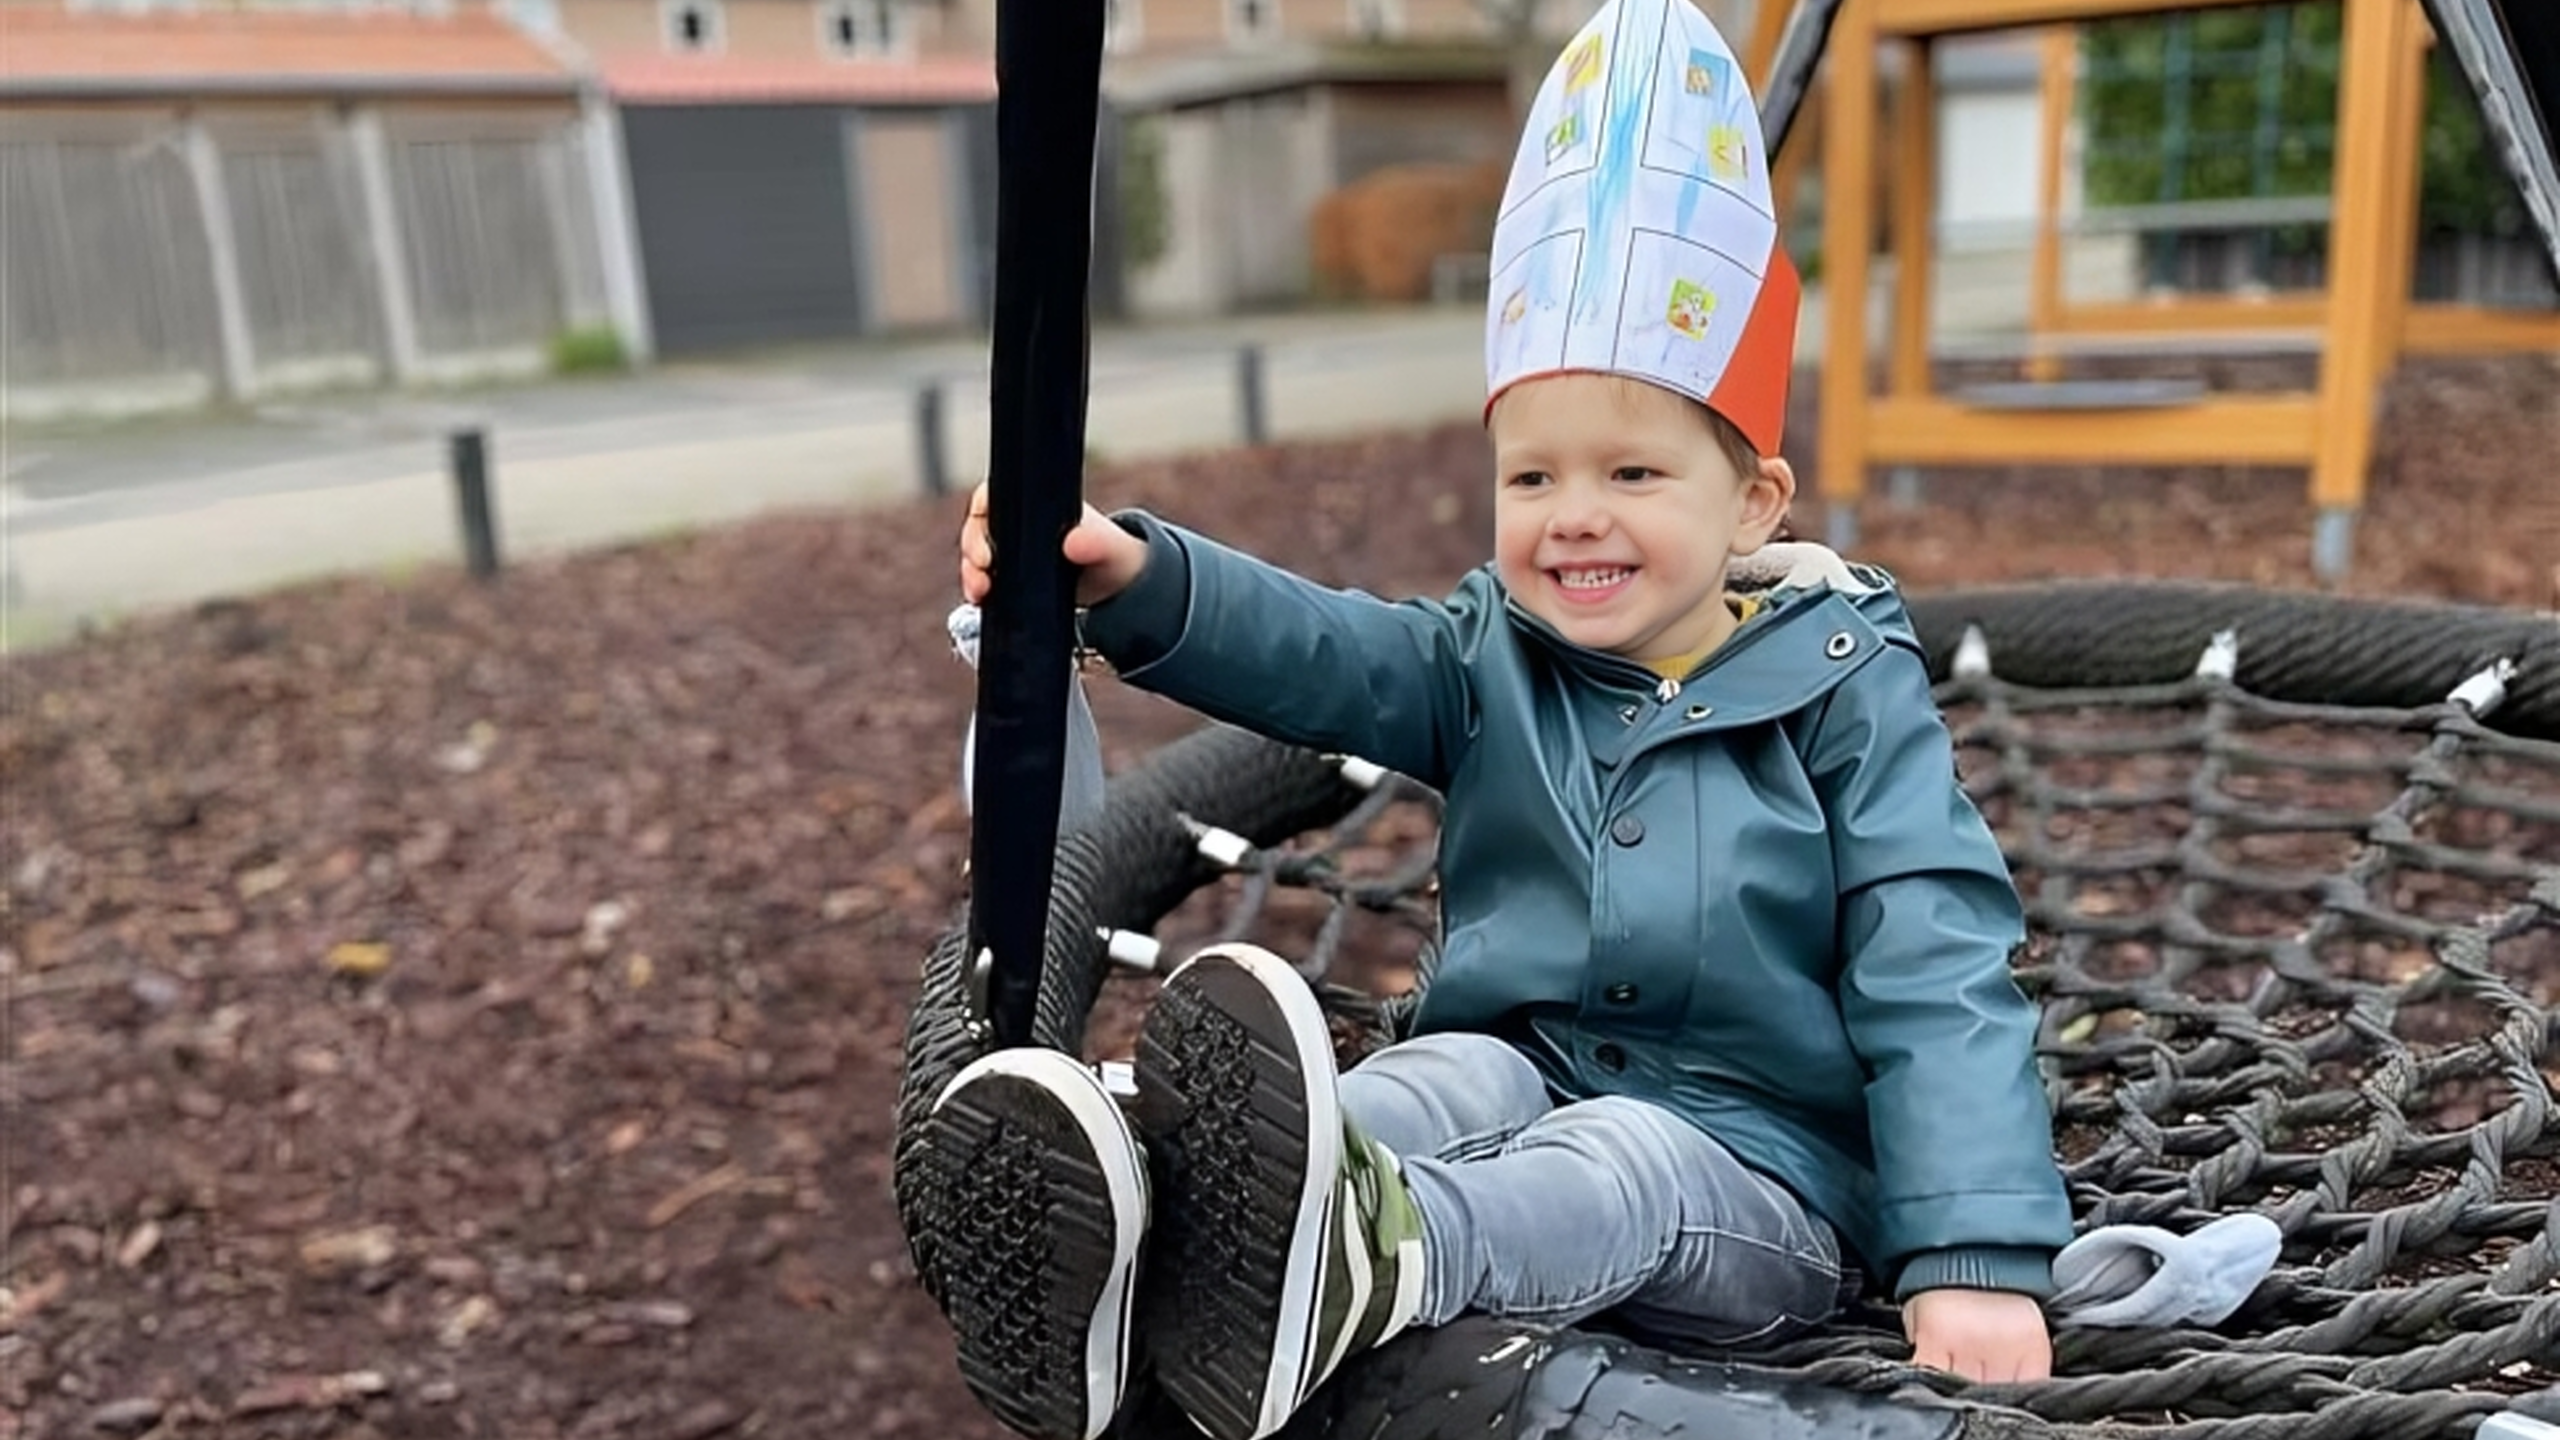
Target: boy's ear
1766, 497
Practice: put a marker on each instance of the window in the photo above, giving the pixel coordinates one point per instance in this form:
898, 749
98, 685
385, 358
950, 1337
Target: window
868, 28
692, 25
1377, 19
1253, 19
1123, 25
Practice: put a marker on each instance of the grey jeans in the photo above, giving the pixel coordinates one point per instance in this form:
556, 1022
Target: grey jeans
1554, 1213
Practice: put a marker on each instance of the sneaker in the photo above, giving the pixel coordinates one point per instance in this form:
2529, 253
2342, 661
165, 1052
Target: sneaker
1285, 1241
1047, 1200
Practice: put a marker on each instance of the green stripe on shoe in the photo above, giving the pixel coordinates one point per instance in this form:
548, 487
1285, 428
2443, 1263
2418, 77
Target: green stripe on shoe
1372, 1283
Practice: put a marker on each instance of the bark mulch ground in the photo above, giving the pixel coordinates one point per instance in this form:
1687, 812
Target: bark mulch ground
450, 1010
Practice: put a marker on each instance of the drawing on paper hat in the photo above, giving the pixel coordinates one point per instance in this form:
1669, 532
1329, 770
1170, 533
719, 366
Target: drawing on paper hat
1637, 236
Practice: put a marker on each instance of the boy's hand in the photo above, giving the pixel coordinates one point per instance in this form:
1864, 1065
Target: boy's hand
1109, 556
1990, 1335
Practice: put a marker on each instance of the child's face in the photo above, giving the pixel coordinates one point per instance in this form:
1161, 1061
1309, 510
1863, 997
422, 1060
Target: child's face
1615, 512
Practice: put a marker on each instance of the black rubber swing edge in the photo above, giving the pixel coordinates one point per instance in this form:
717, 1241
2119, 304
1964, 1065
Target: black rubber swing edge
2294, 646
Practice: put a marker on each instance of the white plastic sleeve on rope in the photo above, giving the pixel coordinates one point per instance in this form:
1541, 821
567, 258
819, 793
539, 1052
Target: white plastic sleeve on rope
1226, 847
2221, 658
1363, 773
1131, 950
1973, 655
1082, 786
1119, 1079
2485, 691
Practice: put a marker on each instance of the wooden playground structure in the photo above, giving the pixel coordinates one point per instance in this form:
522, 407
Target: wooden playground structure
2359, 323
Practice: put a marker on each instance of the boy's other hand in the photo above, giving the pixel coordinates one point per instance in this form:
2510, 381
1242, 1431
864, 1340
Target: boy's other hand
1109, 557
1988, 1335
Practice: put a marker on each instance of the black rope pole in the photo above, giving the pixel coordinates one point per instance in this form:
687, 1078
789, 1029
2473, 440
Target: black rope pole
1048, 84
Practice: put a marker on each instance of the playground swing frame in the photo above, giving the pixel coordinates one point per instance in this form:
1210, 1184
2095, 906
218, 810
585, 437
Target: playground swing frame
1049, 51
2361, 322
2056, 322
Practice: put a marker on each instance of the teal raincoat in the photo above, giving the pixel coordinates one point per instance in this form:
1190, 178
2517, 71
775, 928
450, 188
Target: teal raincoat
1757, 897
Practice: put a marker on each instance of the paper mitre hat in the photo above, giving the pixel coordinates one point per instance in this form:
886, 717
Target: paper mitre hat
1637, 236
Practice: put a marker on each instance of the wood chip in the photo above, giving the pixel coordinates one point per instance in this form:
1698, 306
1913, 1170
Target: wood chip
139, 1246
341, 1251
467, 1319
694, 1191
127, 1417
310, 1392
17, 1307
360, 959
705, 1420
658, 1314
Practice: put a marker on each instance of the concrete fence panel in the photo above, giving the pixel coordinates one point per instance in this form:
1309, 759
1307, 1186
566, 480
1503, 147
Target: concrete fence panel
104, 270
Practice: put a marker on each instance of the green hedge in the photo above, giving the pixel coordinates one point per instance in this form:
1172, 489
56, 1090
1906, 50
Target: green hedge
2233, 104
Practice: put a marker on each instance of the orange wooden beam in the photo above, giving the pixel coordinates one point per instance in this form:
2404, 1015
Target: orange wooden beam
2283, 310
1955, 17
2400, 201
2479, 330
1915, 183
2060, 58
2361, 332
1768, 24
2241, 429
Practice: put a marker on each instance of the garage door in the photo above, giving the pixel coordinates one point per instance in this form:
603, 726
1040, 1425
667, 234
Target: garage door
746, 224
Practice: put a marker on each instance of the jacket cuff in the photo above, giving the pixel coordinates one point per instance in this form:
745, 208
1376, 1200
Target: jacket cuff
2024, 1270
1142, 624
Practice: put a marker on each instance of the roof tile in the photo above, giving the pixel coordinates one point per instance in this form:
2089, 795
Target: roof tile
44, 50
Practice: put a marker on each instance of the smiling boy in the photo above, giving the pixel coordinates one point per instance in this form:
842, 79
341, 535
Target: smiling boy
1723, 1026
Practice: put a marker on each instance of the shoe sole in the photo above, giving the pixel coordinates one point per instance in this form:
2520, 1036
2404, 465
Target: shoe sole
1047, 1203
1236, 1097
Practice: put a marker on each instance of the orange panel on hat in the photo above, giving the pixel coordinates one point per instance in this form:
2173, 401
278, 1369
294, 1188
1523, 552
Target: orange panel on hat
1752, 392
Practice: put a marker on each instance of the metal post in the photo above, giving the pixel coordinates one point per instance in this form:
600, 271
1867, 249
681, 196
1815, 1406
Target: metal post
2333, 543
1252, 414
471, 488
931, 462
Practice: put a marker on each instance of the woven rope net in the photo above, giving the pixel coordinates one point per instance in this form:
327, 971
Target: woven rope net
2292, 871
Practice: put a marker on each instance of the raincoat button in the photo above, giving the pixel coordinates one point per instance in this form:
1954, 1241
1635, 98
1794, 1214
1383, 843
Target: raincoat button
1626, 830
1840, 645
1621, 993
1609, 1057
1628, 714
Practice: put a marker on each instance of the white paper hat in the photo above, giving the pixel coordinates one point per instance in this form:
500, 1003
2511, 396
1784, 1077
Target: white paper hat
1637, 236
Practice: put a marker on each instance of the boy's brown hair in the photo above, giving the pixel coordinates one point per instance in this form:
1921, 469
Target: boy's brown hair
1728, 436
1729, 439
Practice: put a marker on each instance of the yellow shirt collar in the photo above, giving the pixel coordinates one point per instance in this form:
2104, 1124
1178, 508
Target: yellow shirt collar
1677, 667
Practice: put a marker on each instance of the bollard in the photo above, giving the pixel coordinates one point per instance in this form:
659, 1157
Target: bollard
1249, 396
471, 488
930, 461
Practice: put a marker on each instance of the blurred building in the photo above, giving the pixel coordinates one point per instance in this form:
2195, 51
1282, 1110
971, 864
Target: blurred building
1237, 117
798, 169
241, 197
198, 201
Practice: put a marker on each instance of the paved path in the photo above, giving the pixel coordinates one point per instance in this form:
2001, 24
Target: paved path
107, 520
104, 521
